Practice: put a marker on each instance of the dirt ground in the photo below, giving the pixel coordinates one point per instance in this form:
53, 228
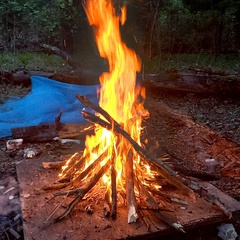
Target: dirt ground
220, 115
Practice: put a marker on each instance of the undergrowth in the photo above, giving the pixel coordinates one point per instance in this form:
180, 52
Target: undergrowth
229, 63
34, 61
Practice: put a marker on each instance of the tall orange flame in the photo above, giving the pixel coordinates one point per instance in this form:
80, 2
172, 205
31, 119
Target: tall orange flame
118, 85
118, 92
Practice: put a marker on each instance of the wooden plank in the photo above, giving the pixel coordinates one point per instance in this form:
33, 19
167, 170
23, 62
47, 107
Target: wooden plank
80, 225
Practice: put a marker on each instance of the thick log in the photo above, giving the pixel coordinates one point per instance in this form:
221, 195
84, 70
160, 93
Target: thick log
22, 77
47, 132
106, 205
178, 82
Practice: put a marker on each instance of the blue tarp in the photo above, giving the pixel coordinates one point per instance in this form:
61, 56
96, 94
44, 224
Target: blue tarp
44, 103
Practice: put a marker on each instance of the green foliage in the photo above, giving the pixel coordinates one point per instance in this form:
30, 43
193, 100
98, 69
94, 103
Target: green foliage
10, 61
182, 62
161, 30
37, 20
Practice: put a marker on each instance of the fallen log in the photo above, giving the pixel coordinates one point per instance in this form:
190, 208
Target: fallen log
217, 85
22, 77
47, 132
54, 50
164, 82
57, 51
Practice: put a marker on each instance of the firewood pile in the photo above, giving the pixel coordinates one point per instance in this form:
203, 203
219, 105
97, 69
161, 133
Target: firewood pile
138, 195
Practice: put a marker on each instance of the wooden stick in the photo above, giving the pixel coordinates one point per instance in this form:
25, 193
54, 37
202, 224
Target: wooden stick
54, 165
170, 175
66, 173
75, 163
151, 203
90, 168
131, 198
106, 208
166, 196
80, 192
113, 186
97, 108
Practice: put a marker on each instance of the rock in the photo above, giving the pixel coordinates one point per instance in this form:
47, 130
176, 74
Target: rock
227, 232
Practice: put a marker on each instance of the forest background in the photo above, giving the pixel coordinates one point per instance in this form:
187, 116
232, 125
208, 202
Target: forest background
165, 33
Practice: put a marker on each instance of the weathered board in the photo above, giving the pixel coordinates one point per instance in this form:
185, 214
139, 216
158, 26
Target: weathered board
80, 225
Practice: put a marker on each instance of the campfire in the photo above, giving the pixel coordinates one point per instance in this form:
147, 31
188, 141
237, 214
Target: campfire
115, 167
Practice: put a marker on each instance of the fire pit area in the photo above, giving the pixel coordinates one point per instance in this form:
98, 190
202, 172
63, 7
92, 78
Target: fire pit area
91, 218
142, 170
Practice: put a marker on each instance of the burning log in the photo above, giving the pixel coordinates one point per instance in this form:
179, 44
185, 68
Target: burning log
106, 207
91, 167
75, 162
170, 175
